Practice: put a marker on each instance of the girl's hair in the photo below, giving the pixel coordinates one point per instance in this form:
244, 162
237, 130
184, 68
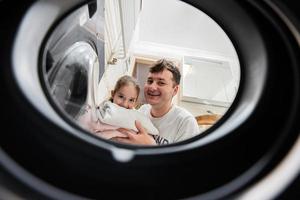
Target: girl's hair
124, 81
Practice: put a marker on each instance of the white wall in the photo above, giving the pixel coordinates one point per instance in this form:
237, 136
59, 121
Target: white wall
172, 22
174, 29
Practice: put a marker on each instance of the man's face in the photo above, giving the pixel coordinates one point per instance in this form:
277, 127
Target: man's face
159, 88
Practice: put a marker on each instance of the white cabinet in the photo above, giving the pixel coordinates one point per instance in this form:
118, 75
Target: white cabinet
208, 81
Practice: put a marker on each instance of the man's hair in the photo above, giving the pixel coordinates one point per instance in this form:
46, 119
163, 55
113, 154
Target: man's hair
163, 64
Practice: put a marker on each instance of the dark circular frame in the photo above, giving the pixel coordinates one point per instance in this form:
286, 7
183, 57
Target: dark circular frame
57, 161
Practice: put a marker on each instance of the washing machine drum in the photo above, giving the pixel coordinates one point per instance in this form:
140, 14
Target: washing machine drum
44, 154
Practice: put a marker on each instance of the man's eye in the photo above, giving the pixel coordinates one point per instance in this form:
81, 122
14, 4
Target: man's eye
161, 83
149, 81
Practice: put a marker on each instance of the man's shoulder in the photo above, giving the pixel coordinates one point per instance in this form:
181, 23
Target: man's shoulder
182, 111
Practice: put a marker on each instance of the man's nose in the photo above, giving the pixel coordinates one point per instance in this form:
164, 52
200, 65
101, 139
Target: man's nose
153, 86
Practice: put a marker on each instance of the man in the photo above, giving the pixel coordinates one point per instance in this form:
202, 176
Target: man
173, 123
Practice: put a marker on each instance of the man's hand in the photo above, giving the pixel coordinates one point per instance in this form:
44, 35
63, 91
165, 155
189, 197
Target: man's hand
139, 138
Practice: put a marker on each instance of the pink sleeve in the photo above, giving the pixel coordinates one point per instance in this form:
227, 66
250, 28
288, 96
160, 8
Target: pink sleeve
98, 128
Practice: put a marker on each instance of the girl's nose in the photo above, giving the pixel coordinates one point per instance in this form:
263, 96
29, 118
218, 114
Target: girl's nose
125, 104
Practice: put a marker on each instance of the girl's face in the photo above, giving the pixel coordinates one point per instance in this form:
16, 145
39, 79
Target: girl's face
126, 96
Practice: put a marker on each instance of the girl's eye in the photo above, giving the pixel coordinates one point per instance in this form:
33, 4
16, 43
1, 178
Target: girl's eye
121, 96
132, 100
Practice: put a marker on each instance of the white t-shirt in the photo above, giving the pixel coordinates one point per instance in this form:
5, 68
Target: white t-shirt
177, 125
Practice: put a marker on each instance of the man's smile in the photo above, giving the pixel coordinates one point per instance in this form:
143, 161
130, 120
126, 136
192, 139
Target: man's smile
153, 94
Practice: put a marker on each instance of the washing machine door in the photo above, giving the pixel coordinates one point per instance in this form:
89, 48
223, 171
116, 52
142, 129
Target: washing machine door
68, 80
74, 59
45, 155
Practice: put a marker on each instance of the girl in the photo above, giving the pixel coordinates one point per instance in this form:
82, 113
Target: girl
126, 92
109, 116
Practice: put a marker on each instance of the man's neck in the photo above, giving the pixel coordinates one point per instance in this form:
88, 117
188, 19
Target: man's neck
160, 111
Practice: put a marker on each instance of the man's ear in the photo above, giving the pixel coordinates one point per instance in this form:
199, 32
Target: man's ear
176, 88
